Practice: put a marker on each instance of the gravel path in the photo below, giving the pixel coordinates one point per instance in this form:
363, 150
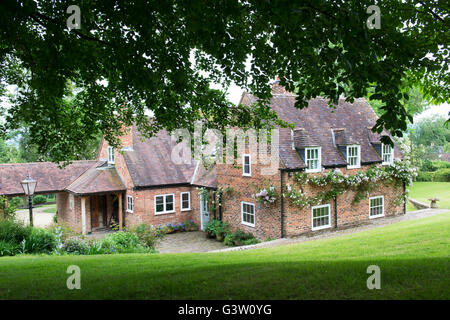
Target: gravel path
375, 223
40, 218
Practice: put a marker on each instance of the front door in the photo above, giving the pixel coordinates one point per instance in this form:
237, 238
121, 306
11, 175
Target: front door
204, 211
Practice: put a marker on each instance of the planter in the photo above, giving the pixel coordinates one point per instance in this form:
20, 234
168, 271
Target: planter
220, 237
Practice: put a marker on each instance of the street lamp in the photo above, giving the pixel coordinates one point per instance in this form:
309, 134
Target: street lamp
29, 185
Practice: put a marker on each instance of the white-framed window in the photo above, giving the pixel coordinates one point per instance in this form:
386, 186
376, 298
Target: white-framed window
313, 159
185, 201
164, 203
387, 154
110, 155
376, 207
246, 165
248, 213
353, 156
321, 217
130, 204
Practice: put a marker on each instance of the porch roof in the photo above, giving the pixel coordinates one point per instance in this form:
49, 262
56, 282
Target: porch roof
100, 178
50, 178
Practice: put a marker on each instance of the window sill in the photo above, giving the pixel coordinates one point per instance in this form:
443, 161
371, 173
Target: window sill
321, 227
248, 224
129, 211
313, 170
166, 212
353, 167
378, 216
246, 175
189, 209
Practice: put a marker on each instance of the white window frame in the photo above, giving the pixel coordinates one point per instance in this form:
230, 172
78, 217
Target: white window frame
358, 165
130, 209
329, 217
111, 159
319, 159
164, 203
249, 165
383, 154
382, 206
181, 201
242, 214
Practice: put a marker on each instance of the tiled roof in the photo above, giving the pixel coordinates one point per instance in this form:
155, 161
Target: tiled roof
100, 178
150, 164
318, 122
303, 139
204, 177
50, 178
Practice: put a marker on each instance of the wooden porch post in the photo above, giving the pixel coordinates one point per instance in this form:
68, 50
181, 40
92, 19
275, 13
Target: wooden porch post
119, 196
83, 215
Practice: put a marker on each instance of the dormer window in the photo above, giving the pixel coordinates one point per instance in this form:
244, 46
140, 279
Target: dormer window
387, 154
110, 155
353, 156
246, 165
313, 159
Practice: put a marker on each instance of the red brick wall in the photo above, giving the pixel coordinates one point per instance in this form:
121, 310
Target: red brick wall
144, 207
72, 217
296, 221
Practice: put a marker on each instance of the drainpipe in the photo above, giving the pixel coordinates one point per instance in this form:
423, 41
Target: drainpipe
335, 213
281, 204
404, 198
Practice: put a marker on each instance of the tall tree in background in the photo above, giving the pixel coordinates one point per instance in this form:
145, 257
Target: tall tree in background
161, 56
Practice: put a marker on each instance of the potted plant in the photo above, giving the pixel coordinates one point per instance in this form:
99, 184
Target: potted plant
222, 229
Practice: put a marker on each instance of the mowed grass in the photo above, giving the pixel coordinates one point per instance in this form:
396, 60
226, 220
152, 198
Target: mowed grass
413, 257
422, 191
49, 208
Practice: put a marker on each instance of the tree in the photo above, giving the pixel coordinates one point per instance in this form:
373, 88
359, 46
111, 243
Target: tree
429, 135
415, 103
161, 56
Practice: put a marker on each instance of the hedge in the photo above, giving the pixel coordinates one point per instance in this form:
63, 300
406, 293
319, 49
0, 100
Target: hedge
442, 175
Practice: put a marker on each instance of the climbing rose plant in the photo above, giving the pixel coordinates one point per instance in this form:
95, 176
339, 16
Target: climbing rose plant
362, 183
267, 195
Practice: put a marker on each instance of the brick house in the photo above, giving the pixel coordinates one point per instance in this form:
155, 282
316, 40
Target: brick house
140, 183
322, 140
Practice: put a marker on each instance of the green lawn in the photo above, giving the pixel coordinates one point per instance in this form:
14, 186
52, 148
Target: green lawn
413, 257
51, 208
423, 191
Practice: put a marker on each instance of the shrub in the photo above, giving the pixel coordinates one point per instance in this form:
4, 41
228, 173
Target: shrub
442, 175
428, 166
217, 227
13, 231
39, 199
16, 201
124, 242
424, 176
39, 241
190, 225
148, 236
75, 246
239, 238
8, 248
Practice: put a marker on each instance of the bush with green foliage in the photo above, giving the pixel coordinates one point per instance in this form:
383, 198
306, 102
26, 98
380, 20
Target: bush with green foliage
8, 248
16, 201
124, 242
13, 231
442, 175
39, 241
239, 238
75, 246
39, 199
148, 235
216, 227
424, 176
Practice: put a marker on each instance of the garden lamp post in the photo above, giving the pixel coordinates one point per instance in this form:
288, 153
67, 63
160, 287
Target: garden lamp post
29, 185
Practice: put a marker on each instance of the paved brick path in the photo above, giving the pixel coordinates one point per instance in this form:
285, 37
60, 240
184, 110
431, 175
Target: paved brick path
194, 241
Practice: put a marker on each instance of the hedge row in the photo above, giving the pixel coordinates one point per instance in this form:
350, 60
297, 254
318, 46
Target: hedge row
441, 175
